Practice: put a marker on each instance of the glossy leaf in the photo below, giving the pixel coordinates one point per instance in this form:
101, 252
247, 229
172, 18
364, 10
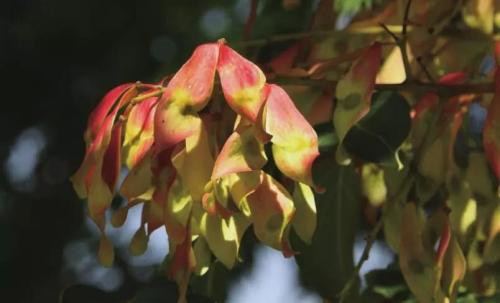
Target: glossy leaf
327, 263
378, 135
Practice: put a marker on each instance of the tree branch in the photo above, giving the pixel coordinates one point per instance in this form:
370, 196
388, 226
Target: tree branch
404, 41
448, 90
372, 236
152, 94
370, 30
252, 16
370, 239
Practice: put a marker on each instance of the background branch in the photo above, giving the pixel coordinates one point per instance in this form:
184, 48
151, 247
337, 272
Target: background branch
438, 88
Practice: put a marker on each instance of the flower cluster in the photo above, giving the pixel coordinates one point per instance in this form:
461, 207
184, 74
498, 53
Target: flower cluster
205, 185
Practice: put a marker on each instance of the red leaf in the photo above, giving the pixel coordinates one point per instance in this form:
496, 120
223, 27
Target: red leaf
242, 83
98, 115
285, 60
195, 79
112, 158
295, 143
139, 135
176, 117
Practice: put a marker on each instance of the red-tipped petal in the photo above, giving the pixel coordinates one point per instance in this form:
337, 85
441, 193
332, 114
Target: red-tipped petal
242, 83
174, 122
195, 80
295, 143
96, 149
93, 160
98, 115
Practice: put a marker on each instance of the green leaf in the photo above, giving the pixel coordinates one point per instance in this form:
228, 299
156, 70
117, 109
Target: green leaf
327, 138
388, 283
373, 184
327, 264
304, 221
378, 135
351, 6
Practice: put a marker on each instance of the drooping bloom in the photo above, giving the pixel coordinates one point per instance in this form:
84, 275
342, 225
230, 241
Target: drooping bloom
201, 187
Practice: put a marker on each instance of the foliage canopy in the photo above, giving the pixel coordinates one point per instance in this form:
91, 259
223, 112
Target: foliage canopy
366, 123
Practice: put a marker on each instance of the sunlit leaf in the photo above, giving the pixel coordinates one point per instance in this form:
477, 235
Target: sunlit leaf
195, 162
177, 212
187, 93
223, 236
202, 255
295, 143
271, 209
392, 70
304, 221
242, 152
138, 136
175, 120
242, 83
479, 14
373, 184
195, 79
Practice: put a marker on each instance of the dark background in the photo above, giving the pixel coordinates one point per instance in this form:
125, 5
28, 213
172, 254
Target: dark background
57, 59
